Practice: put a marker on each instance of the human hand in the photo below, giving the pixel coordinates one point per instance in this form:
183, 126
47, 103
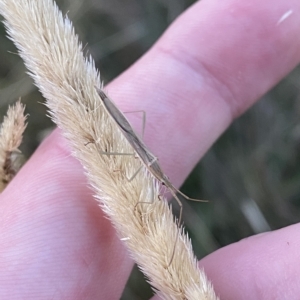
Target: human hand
214, 62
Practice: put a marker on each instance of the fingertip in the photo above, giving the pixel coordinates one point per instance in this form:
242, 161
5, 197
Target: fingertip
264, 266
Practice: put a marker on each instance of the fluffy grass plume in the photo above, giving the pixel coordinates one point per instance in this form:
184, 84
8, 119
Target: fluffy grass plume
11, 133
51, 51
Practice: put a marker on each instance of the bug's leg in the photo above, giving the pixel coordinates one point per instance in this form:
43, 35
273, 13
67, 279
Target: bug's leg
107, 152
144, 119
130, 154
136, 172
152, 189
151, 197
173, 191
118, 153
115, 153
139, 169
179, 223
188, 198
152, 161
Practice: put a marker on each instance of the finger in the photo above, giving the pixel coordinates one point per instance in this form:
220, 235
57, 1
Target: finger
54, 238
265, 266
213, 63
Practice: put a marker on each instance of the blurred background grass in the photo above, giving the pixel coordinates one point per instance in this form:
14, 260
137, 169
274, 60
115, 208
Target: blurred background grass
250, 175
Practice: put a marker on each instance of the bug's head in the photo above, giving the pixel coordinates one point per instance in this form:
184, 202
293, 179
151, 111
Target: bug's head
100, 93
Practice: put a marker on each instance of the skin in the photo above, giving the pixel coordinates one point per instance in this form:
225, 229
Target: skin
219, 57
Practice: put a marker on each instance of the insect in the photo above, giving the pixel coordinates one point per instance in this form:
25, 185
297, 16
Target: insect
149, 160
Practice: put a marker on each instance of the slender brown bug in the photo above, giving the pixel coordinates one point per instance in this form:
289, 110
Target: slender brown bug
148, 159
